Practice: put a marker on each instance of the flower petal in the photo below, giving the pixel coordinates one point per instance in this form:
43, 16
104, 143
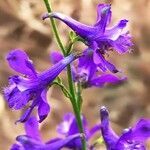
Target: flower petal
25, 116
86, 64
69, 127
29, 143
140, 132
94, 130
20, 62
106, 78
32, 128
17, 147
103, 17
32, 144
99, 59
123, 43
64, 126
64, 142
55, 57
28, 112
15, 98
108, 134
111, 67
116, 31
44, 107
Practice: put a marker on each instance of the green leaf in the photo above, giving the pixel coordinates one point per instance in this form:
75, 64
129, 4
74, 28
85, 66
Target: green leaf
72, 36
59, 83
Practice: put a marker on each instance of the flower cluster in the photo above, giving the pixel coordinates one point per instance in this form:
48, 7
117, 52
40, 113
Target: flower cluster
67, 128
131, 139
98, 37
87, 73
32, 139
32, 86
29, 90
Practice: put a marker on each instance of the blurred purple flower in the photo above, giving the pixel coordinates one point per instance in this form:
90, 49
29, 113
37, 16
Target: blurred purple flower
87, 72
32, 86
68, 127
32, 139
98, 37
131, 139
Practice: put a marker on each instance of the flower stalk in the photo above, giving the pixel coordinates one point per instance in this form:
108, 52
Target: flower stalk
69, 74
54, 27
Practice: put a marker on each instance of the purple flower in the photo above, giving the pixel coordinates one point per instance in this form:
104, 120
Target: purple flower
131, 139
68, 127
99, 37
32, 139
32, 86
87, 72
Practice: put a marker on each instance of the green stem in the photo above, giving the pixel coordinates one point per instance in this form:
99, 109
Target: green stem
79, 97
54, 27
69, 73
75, 105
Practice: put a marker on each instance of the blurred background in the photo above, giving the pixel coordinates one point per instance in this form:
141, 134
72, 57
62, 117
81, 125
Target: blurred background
21, 26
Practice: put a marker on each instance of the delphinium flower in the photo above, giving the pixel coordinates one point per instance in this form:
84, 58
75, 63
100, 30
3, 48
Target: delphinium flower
131, 139
87, 72
32, 139
99, 37
68, 127
32, 86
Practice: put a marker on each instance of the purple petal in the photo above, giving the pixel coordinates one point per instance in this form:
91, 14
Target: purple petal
28, 112
17, 146
53, 140
86, 64
25, 116
64, 126
106, 78
29, 143
81, 29
44, 107
111, 67
123, 43
116, 31
55, 57
20, 62
32, 128
140, 132
15, 98
93, 130
86, 59
103, 18
108, 134
32, 144
99, 59
74, 126
62, 143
